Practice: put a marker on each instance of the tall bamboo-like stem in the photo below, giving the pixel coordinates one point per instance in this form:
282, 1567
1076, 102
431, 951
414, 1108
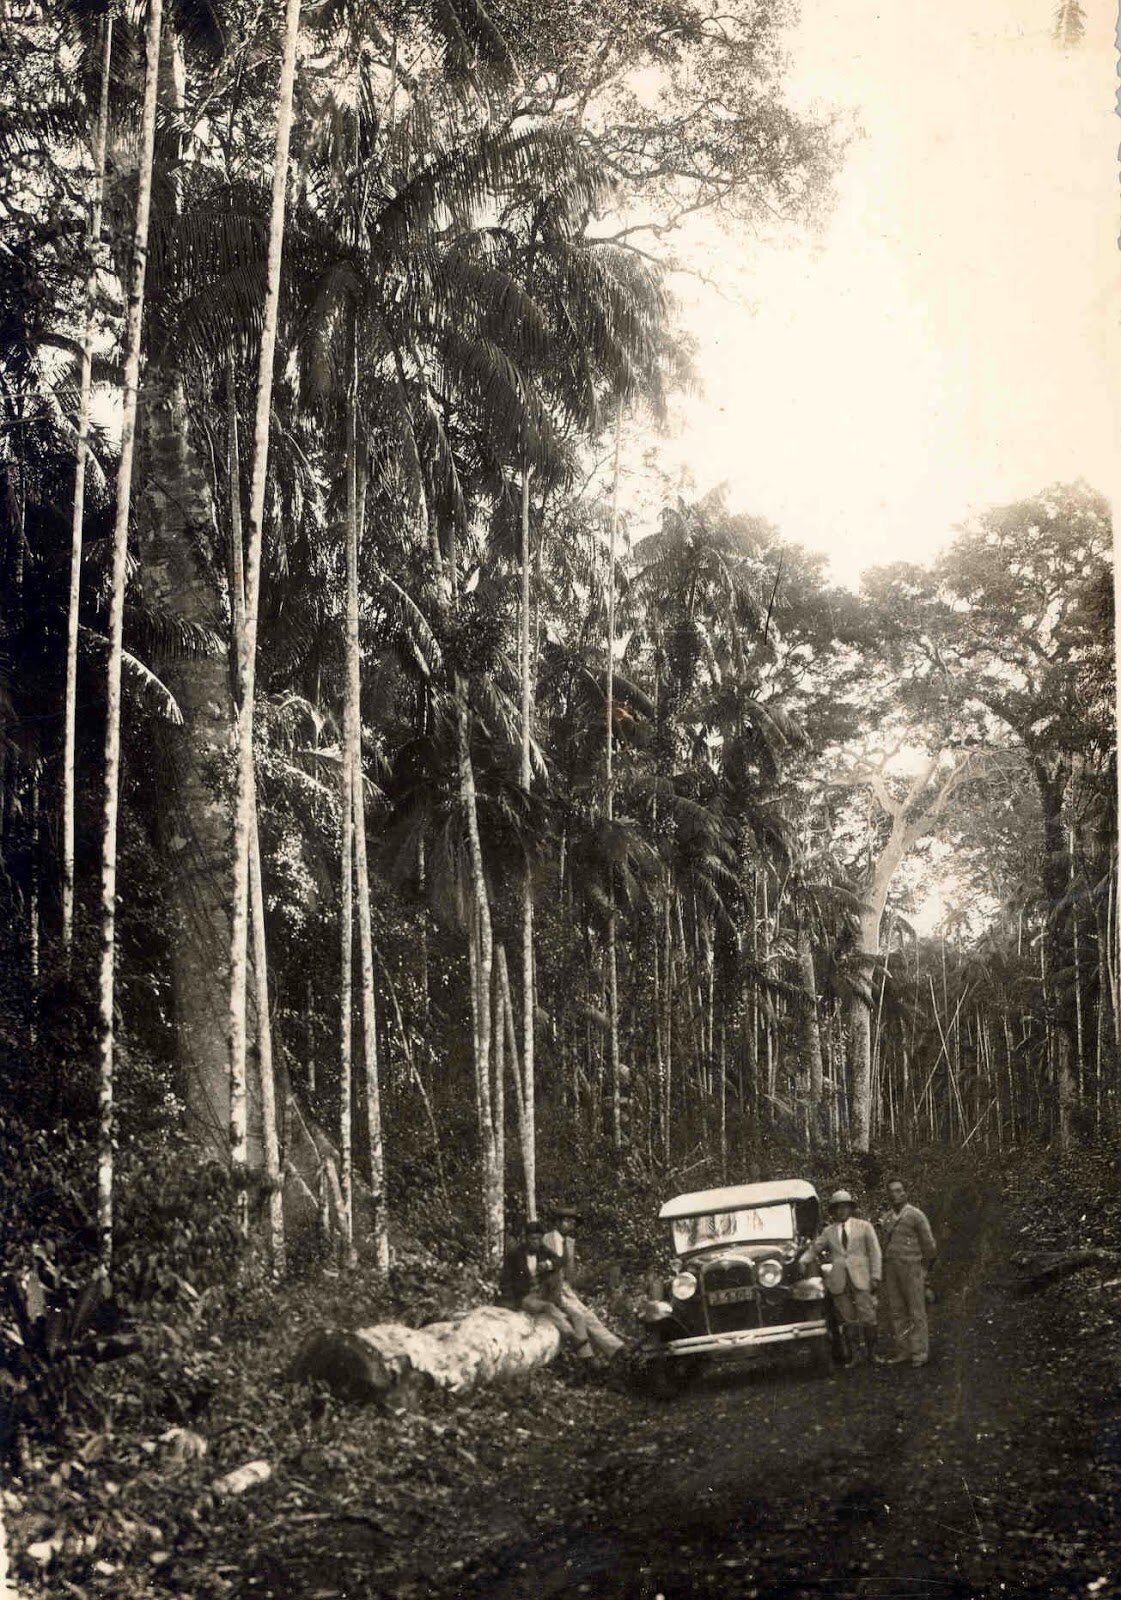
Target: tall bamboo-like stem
482, 951
529, 999
723, 1104
498, 1085
768, 1004
1112, 925
667, 969
269, 1130
270, 1133
480, 929
134, 319
355, 494
659, 1056
811, 1030
504, 1023
609, 803
1076, 947
346, 985
78, 513
247, 665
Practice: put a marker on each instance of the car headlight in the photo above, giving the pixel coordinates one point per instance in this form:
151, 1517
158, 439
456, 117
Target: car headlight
684, 1286
769, 1274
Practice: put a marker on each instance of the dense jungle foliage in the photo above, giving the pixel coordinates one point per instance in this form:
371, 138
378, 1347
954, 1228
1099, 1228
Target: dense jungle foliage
478, 838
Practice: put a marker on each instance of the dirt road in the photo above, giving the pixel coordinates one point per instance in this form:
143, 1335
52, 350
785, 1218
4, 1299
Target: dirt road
993, 1472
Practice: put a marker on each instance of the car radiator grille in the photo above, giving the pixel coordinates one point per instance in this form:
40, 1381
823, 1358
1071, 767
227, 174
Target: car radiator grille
727, 1315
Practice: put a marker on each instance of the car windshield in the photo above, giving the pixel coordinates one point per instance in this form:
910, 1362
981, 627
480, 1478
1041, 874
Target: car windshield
749, 1225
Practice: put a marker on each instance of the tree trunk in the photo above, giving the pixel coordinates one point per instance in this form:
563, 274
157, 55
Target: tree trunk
269, 1128
1056, 875
346, 981
393, 1364
78, 514
860, 1057
504, 1024
355, 498
529, 998
481, 944
609, 802
667, 971
133, 323
175, 505
811, 1031
247, 665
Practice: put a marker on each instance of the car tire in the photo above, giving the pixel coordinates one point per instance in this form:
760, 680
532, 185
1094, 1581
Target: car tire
821, 1358
666, 1377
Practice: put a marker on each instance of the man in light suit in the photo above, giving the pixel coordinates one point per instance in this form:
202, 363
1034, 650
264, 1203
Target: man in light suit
853, 1275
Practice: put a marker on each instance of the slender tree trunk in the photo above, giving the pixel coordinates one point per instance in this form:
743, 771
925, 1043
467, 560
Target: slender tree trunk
609, 783
78, 514
346, 956
498, 1086
811, 1030
1080, 1053
723, 1105
529, 999
355, 499
269, 1128
247, 665
767, 1003
346, 986
482, 946
133, 324
1056, 885
504, 1024
667, 969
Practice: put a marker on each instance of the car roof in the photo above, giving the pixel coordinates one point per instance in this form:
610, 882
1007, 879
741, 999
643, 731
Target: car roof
705, 1201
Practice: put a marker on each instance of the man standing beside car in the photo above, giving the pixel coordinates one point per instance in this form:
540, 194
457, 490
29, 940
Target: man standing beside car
909, 1254
855, 1270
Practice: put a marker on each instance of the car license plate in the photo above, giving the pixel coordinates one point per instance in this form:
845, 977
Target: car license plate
730, 1297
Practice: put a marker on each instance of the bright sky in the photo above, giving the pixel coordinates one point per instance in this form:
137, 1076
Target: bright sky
948, 341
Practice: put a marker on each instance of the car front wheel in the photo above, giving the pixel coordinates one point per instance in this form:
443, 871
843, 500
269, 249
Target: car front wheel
665, 1377
821, 1358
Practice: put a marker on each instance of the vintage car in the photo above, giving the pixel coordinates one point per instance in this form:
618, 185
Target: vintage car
738, 1284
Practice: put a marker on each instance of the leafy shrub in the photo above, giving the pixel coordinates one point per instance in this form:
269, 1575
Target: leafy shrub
52, 1338
177, 1225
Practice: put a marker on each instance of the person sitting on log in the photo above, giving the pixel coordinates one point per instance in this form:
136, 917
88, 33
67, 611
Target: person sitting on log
561, 1240
532, 1280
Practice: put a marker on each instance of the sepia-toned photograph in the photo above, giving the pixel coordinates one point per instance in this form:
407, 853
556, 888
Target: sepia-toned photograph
560, 956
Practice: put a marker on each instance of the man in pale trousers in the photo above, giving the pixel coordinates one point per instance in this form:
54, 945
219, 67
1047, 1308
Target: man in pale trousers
561, 1240
909, 1254
855, 1270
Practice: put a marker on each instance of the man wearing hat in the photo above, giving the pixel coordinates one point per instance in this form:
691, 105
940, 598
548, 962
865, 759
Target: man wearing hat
853, 1273
532, 1281
561, 1241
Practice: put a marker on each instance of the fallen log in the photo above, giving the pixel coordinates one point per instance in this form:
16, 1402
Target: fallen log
1049, 1266
392, 1364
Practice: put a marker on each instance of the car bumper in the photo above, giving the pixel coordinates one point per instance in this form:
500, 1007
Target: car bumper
746, 1339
